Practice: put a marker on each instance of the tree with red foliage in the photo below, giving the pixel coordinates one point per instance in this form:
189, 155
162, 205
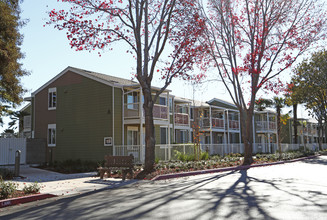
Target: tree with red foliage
253, 42
162, 36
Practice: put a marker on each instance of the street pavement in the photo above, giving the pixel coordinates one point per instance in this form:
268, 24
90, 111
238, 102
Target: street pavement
288, 191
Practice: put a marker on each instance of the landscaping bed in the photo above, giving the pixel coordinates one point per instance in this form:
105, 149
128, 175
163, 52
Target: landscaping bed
183, 163
10, 195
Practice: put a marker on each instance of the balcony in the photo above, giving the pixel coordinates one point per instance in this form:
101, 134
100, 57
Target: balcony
181, 119
234, 125
132, 111
160, 112
266, 126
217, 123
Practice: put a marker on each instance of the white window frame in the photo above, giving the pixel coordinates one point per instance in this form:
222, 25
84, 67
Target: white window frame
52, 105
49, 139
165, 98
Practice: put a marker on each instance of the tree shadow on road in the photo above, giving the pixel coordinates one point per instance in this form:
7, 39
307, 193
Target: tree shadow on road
216, 196
322, 160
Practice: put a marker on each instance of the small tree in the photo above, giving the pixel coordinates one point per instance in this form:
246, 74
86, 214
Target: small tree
162, 36
293, 98
253, 41
11, 70
311, 84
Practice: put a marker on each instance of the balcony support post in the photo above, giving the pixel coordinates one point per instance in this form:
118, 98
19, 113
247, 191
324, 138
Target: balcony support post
169, 150
210, 118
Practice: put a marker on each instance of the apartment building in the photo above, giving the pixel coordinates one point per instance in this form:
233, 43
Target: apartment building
85, 115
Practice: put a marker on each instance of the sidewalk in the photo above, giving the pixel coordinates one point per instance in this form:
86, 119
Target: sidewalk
65, 184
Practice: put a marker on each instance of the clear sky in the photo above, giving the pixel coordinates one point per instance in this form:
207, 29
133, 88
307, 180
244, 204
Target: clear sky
47, 53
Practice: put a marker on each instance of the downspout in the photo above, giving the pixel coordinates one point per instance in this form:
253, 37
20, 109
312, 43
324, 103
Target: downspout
210, 118
168, 118
113, 117
123, 114
33, 131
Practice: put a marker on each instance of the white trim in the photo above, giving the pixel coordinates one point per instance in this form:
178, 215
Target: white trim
52, 90
107, 141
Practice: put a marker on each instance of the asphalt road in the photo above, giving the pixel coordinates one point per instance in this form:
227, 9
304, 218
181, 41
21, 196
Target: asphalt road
289, 191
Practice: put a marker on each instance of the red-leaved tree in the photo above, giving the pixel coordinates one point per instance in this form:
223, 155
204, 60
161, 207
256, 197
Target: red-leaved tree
253, 41
161, 35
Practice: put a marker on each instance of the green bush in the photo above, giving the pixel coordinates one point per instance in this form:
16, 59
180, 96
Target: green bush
32, 188
204, 156
7, 189
6, 174
74, 166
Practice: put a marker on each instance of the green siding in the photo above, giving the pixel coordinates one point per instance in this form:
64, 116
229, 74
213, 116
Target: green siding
84, 117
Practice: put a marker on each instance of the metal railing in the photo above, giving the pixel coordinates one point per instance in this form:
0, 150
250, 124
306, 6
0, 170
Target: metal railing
181, 119
132, 110
234, 125
168, 152
266, 126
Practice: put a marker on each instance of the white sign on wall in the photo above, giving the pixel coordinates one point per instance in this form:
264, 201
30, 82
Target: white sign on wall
107, 141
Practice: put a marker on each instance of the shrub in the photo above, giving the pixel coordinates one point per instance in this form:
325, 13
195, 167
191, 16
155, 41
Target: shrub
204, 156
74, 166
6, 174
32, 188
6, 189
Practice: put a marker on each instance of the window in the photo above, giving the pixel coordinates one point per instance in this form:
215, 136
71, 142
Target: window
205, 113
192, 113
163, 136
132, 135
170, 104
51, 135
181, 136
132, 101
52, 98
162, 101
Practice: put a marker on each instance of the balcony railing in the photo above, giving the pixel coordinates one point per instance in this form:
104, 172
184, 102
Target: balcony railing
160, 111
181, 119
132, 110
217, 123
234, 125
266, 126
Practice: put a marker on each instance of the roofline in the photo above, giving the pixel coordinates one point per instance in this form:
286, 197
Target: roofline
25, 107
220, 100
69, 68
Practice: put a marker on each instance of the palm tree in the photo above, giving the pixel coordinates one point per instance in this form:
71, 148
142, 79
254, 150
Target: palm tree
278, 103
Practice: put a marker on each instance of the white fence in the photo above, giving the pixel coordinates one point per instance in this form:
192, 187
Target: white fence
8, 148
168, 152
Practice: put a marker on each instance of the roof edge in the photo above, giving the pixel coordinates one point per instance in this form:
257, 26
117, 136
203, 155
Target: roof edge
77, 71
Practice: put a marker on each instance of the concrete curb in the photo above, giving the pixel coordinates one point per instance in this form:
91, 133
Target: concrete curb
193, 173
24, 199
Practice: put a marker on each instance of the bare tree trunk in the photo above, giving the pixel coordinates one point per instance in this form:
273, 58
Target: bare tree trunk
295, 122
150, 140
247, 136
